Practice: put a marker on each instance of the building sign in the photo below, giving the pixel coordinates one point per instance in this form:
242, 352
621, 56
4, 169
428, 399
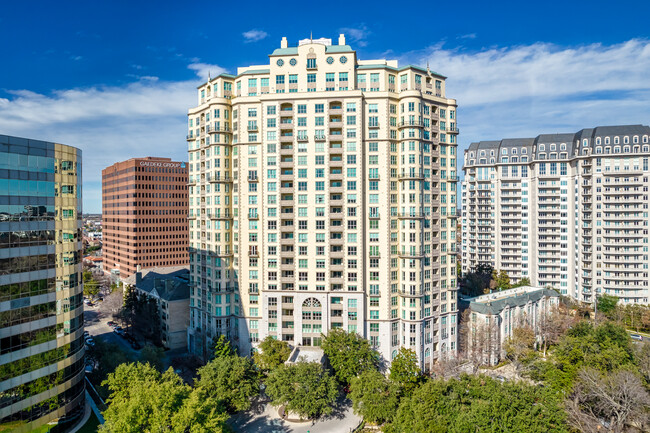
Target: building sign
162, 164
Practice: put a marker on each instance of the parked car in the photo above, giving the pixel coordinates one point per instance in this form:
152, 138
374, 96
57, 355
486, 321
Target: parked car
87, 301
119, 331
86, 334
112, 324
636, 337
90, 342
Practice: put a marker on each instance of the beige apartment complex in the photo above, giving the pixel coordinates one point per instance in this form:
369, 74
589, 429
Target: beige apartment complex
568, 211
322, 195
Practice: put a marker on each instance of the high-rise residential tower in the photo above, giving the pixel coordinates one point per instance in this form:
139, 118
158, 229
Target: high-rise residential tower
41, 293
568, 211
144, 212
322, 195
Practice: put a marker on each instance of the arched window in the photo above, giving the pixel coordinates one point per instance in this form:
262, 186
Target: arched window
563, 146
393, 355
626, 149
585, 142
311, 302
617, 149
598, 140
552, 146
626, 139
616, 140
606, 141
541, 148
635, 139
523, 151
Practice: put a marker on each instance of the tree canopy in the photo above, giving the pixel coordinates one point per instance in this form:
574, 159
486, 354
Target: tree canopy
230, 380
374, 397
304, 388
478, 403
142, 399
271, 354
222, 347
405, 371
349, 354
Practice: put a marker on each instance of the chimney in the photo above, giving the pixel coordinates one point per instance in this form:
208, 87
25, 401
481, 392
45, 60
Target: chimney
284, 43
138, 276
341, 39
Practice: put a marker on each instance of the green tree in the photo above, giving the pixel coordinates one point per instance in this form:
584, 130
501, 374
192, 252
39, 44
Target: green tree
374, 397
230, 380
522, 282
475, 283
605, 348
500, 280
304, 388
478, 404
91, 286
153, 355
404, 370
349, 354
222, 347
143, 400
272, 353
607, 304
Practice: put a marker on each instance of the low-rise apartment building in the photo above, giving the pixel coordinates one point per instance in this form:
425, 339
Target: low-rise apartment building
493, 317
169, 287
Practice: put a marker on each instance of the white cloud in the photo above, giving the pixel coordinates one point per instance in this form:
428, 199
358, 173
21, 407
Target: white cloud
203, 70
109, 124
254, 35
523, 91
357, 35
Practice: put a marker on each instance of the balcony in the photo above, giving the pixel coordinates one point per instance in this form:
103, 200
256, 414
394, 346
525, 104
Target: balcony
411, 175
220, 179
319, 137
411, 215
286, 138
411, 124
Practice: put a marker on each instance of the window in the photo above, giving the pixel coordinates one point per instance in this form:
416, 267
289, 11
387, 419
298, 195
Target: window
311, 63
279, 79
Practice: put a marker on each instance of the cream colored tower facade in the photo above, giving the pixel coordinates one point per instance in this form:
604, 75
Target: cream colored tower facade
568, 211
322, 195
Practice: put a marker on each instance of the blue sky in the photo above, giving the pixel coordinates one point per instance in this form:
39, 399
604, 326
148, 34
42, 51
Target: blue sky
116, 78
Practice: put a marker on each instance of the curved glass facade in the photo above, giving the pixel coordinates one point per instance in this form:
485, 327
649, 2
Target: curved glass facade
41, 293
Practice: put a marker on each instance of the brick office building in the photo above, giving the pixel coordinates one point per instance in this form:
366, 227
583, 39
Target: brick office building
144, 211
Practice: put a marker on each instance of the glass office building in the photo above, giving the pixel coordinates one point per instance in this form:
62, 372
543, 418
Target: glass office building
41, 293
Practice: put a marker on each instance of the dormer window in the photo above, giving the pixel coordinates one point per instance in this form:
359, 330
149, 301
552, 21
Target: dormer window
523, 151
563, 146
616, 140
598, 140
